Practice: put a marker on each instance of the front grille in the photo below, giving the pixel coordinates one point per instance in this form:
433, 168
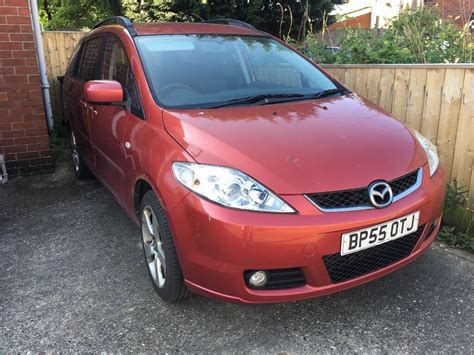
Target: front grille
281, 279
341, 268
359, 198
402, 184
341, 199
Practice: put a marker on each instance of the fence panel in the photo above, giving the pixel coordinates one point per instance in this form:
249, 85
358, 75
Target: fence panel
437, 99
58, 48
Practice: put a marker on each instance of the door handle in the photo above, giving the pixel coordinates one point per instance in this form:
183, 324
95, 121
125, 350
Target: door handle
93, 110
83, 103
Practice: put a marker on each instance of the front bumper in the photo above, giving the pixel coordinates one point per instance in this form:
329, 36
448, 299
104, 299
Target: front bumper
216, 244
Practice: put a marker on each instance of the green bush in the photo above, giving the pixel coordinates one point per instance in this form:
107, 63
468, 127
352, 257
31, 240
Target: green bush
314, 49
429, 38
419, 36
456, 238
458, 219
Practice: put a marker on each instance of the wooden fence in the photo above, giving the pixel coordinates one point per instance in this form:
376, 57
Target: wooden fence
58, 48
435, 99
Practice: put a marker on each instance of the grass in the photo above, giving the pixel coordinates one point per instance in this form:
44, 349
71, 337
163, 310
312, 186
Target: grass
457, 228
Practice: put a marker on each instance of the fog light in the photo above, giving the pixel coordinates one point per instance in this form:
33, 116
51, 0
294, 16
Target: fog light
258, 279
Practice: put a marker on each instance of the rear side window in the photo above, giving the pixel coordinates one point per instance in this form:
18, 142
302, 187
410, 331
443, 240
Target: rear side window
88, 69
117, 67
71, 69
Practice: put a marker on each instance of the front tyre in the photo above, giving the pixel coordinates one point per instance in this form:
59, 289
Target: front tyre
159, 250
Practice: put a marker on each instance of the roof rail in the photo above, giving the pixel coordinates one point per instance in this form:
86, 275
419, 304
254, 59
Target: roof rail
230, 22
118, 20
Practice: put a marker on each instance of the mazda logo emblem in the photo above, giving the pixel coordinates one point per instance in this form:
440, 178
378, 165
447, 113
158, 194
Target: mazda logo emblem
380, 194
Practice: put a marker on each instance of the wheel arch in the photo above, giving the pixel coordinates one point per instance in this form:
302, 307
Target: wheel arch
141, 186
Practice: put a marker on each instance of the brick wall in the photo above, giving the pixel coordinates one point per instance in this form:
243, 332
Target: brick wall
362, 21
23, 133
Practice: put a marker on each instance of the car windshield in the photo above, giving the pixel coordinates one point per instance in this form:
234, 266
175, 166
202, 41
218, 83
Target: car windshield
205, 71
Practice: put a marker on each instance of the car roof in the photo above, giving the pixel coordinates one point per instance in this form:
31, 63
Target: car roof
161, 28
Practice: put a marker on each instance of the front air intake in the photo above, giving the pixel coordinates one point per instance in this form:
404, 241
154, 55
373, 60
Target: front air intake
342, 268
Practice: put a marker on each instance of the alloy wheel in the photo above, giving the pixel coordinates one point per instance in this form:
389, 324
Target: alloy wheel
153, 246
74, 152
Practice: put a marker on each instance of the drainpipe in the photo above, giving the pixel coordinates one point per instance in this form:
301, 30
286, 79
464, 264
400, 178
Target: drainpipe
41, 63
3, 170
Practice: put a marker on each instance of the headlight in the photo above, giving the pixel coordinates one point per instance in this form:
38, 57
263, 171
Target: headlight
431, 152
228, 187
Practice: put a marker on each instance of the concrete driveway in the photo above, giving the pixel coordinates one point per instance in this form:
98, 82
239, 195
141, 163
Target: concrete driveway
73, 279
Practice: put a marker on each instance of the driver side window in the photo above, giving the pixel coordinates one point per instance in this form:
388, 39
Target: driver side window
116, 67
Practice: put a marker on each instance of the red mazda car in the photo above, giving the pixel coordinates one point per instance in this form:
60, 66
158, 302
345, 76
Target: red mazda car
254, 175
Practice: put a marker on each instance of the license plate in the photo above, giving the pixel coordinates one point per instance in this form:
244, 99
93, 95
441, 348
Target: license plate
361, 239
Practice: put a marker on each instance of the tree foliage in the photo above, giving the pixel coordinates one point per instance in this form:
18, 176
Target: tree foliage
285, 18
281, 18
73, 14
419, 36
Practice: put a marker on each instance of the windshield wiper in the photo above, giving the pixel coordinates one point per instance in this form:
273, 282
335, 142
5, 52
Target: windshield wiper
324, 93
257, 98
264, 99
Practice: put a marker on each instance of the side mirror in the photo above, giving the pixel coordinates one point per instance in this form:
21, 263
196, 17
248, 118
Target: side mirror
103, 92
